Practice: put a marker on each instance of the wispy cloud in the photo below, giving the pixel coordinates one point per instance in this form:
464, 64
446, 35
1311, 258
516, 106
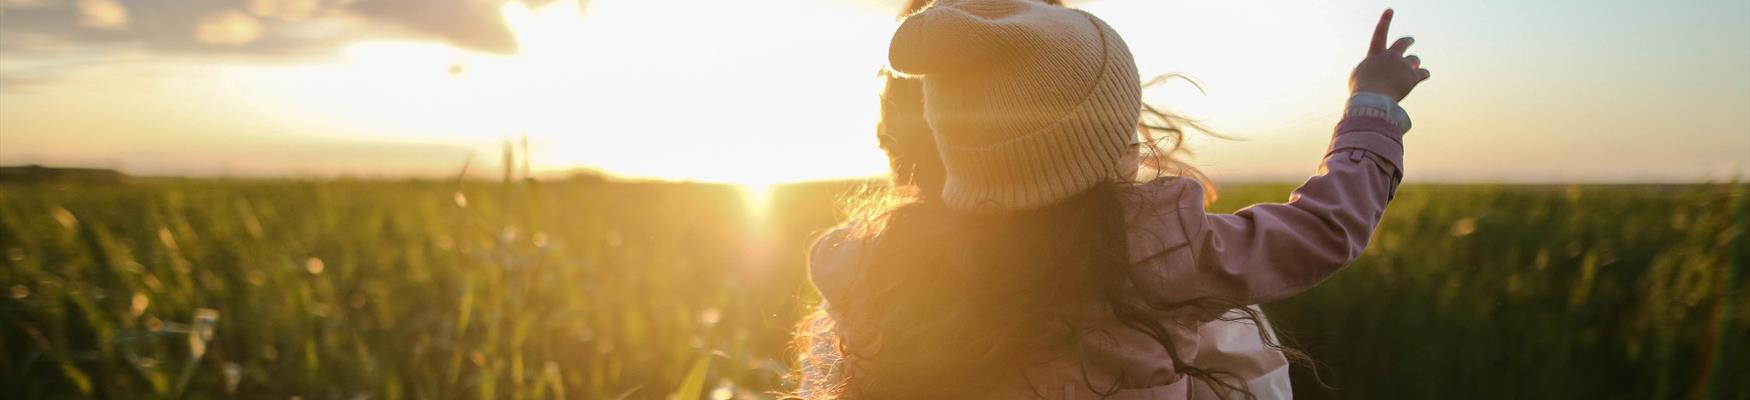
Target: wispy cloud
227, 28
102, 14
270, 29
191, 24
466, 23
16, 85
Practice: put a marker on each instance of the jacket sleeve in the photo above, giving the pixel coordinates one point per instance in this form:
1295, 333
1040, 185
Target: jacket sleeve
1271, 251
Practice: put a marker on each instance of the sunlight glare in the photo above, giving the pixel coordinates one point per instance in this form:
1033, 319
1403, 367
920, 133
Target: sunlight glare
757, 197
723, 93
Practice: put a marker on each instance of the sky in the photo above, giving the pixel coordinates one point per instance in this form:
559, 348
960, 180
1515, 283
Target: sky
786, 90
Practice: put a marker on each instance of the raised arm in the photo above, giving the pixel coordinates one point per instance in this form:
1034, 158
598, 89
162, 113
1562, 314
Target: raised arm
1269, 251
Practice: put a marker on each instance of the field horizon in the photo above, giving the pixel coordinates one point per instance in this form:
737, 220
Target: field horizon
53, 173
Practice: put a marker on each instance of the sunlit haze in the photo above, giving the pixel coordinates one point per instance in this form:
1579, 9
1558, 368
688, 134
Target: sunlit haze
785, 91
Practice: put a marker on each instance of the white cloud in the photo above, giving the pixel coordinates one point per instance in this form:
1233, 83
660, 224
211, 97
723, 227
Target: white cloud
102, 14
289, 10
229, 27
27, 3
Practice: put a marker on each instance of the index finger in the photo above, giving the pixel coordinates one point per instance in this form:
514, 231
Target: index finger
1379, 33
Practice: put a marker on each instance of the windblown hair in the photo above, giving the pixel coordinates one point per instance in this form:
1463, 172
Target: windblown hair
951, 305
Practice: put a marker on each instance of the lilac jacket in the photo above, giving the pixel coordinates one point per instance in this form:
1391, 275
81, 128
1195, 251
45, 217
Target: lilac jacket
1181, 252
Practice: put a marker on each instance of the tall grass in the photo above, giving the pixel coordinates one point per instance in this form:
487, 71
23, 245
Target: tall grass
589, 290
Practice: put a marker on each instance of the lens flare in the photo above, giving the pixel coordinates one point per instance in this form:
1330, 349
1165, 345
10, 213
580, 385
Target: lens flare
757, 198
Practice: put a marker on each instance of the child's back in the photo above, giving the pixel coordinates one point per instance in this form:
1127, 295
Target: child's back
1041, 273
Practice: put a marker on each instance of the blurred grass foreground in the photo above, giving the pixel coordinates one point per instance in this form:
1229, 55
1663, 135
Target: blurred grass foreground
162, 288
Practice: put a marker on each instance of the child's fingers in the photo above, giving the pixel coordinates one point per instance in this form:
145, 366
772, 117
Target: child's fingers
1379, 33
1402, 45
1415, 62
1425, 74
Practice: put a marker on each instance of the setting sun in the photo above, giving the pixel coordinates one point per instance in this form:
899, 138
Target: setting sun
757, 197
704, 108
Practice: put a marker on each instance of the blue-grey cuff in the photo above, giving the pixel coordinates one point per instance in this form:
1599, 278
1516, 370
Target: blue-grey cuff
1375, 104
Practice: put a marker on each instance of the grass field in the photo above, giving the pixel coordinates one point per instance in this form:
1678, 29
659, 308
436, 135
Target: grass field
588, 290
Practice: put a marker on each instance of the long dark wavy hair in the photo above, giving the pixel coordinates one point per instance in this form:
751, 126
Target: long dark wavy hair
951, 305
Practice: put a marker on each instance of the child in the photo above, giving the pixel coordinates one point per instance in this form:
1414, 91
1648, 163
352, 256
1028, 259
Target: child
1233, 345
1041, 272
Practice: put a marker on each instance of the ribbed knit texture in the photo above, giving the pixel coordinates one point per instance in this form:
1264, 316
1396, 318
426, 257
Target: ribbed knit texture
1030, 104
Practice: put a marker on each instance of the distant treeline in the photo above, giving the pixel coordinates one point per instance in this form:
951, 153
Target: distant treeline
38, 173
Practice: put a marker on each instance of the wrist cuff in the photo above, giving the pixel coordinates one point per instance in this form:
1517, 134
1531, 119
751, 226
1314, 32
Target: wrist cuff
1369, 104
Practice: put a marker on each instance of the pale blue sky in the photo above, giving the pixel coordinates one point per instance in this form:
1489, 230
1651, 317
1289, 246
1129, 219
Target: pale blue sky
1522, 91
1590, 89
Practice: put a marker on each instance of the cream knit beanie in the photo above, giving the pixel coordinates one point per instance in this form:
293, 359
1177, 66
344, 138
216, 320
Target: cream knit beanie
1030, 104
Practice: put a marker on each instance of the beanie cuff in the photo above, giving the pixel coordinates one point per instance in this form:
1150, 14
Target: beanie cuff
1043, 167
